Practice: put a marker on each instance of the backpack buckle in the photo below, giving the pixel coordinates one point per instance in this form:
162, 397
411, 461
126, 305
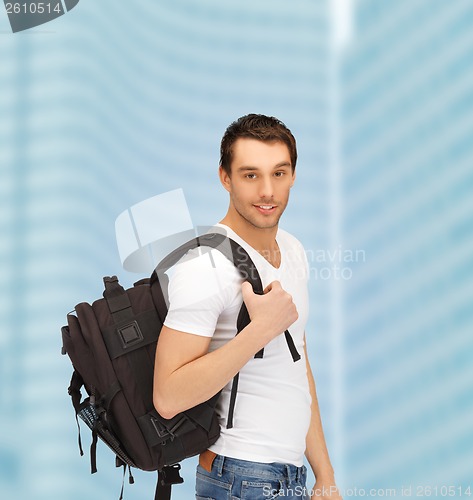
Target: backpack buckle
176, 426
163, 431
169, 474
160, 429
130, 334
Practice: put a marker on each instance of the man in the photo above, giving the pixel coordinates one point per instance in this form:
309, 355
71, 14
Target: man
276, 417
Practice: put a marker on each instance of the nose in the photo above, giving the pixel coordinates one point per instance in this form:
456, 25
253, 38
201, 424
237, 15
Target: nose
266, 188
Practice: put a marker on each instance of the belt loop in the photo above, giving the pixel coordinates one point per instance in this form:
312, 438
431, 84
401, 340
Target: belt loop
219, 459
302, 472
288, 474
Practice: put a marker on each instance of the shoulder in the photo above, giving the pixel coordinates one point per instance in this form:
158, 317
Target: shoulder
203, 258
289, 241
201, 286
204, 263
202, 273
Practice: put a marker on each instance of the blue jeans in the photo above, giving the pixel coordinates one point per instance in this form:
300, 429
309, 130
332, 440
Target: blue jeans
233, 479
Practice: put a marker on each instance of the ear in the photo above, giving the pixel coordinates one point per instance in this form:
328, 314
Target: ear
293, 178
224, 178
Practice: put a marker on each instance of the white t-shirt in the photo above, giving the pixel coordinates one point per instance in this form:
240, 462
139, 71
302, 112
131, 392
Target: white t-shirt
272, 410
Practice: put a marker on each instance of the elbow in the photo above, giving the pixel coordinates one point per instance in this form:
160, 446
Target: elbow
164, 406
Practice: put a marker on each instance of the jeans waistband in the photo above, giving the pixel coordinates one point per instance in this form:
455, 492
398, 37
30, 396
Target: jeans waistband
289, 472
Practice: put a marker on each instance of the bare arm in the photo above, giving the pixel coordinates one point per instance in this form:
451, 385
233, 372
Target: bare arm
186, 374
316, 448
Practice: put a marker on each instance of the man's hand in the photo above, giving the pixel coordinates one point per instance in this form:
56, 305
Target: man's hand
325, 490
273, 312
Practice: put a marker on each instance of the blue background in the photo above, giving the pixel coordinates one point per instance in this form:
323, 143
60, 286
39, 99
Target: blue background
115, 102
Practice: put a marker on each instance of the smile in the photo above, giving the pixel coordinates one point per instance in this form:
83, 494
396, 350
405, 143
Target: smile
265, 209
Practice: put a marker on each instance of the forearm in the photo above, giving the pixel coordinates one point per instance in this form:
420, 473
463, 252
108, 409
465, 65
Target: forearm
201, 378
316, 449
186, 374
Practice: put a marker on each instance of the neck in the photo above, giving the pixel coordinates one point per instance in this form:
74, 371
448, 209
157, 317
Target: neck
263, 240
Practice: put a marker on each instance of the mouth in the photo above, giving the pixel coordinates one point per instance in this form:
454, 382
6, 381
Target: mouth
265, 209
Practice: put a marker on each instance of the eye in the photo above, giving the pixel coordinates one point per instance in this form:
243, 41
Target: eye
250, 176
279, 173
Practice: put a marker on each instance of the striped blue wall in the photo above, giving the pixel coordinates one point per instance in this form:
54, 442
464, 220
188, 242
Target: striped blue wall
114, 103
108, 105
407, 154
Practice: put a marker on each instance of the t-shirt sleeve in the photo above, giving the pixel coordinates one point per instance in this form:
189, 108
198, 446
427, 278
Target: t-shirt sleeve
200, 287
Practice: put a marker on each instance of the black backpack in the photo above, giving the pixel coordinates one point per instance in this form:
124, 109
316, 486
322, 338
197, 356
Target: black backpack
112, 345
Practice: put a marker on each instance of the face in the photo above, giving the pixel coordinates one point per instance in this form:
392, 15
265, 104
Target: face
260, 181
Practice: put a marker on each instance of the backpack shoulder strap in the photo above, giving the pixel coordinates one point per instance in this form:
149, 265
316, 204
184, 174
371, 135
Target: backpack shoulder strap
240, 258
234, 252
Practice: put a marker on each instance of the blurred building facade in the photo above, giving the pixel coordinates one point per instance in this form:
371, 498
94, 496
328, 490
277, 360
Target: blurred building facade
113, 106
105, 107
407, 184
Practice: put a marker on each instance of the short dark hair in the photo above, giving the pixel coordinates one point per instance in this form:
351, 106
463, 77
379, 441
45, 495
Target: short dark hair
259, 127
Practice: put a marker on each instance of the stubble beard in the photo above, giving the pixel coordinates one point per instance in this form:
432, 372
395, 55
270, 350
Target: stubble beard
253, 220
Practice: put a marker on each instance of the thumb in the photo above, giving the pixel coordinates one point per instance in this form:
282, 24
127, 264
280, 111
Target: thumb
246, 290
